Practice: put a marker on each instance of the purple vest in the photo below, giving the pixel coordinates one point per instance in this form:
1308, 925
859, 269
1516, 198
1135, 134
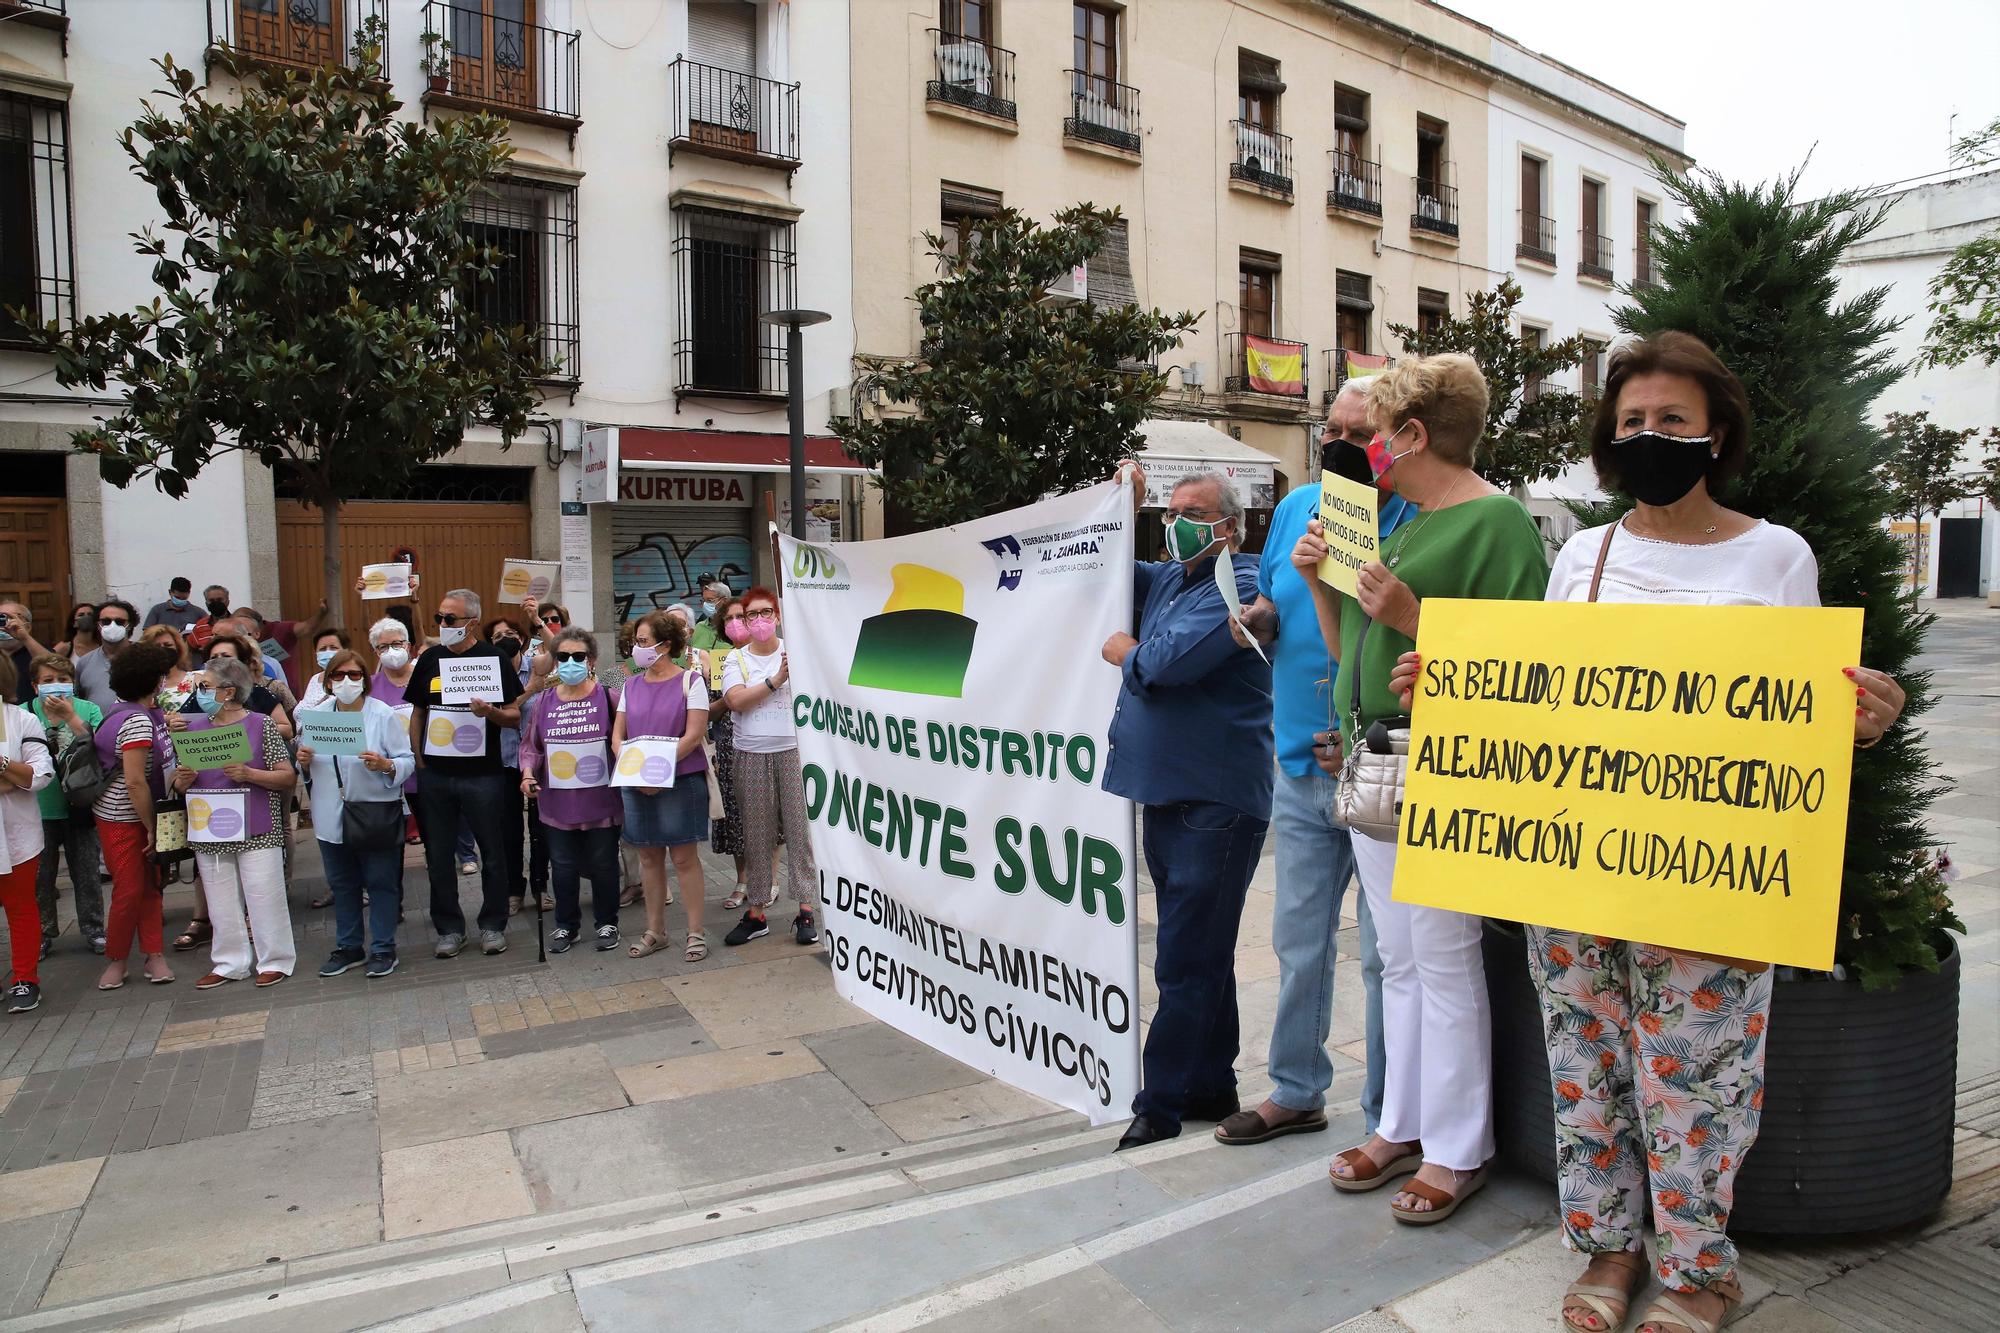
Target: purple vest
659, 709
106, 740
553, 720
222, 824
390, 693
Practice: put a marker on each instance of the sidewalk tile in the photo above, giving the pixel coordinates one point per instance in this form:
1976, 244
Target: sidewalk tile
451, 1183
716, 1071
760, 1002
1087, 1298
494, 1094
598, 1159
977, 1106
29, 1249
48, 1189
880, 1064
1520, 1284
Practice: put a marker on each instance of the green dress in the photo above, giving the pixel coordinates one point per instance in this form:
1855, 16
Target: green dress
1487, 548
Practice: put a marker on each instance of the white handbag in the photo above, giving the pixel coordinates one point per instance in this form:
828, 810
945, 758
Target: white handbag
1369, 799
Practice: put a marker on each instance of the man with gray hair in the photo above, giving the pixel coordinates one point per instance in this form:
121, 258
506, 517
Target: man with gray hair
707, 635
1315, 858
457, 734
1191, 743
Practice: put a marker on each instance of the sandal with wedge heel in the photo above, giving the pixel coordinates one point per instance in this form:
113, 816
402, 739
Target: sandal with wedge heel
1667, 1315
1609, 1305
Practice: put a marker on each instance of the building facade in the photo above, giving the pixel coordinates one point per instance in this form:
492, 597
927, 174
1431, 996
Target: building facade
679, 169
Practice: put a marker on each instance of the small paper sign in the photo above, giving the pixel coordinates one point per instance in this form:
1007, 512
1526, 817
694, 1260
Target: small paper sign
212, 747
647, 761
381, 582
522, 579
581, 764
328, 732
274, 650
1351, 525
464, 679
217, 815
408, 712
454, 733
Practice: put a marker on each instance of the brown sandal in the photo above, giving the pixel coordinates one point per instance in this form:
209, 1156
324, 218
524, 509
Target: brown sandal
1248, 1127
1370, 1176
198, 933
1609, 1304
1443, 1203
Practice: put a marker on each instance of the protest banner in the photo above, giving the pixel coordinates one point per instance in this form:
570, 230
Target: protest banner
1349, 521
645, 761
976, 882
1676, 775
522, 579
212, 747
328, 732
381, 582
463, 679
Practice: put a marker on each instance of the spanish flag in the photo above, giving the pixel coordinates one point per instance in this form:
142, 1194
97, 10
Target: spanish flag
1360, 364
1274, 367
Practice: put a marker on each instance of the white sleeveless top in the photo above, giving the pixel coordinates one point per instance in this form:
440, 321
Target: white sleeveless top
1766, 566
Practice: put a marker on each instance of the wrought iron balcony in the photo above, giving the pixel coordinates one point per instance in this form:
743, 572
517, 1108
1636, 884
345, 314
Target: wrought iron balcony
1101, 111
1646, 273
480, 61
302, 34
37, 13
1342, 365
1357, 184
1263, 158
1247, 361
1538, 239
971, 74
1437, 207
721, 113
1596, 258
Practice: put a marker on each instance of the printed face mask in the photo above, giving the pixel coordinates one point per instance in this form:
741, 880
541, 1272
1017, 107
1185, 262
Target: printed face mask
451, 635
347, 691
395, 659
644, 655
572, 673
1382, 457
1187, 539
1658, 469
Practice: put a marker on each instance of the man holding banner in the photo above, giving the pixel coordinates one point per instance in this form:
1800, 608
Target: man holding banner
1191, 742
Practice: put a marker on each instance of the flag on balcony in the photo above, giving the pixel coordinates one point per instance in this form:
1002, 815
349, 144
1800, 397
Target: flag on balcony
1360, 364
1274, 367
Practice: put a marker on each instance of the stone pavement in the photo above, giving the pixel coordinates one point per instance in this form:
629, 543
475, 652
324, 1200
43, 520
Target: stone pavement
603, 1142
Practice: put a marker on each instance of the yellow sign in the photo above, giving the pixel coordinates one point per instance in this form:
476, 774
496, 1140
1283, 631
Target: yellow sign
1352, 527
1676, 775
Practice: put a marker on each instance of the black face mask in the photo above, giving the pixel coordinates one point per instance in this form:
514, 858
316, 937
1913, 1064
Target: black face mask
1657, 469
86, 621
218, 608
508, 645
1350, 461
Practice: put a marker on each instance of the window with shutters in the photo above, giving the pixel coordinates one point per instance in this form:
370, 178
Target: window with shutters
973, 20
730, 268
1590, 372
532, 228
1644, 274
1357, 180
1436, 198
1594, 260
1433, 309
1538, 232
1534, 339
961, 211
37, 250
721, 107
1353, 310
1110, 270
1257, 292
495, 55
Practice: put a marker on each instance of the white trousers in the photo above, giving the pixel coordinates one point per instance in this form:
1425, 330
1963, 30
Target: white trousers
1436, 1024
248, 886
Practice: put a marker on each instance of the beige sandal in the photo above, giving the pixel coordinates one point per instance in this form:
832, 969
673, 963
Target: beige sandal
734, 902
649, 943
1668, 1315
1609, 1304
697, 947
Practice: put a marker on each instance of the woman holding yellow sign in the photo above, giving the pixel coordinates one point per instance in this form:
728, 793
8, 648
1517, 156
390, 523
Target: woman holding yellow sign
566, 773
1470, 540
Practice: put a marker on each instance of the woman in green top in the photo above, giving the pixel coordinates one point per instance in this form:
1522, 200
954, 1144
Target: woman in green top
1470, 540
68, 721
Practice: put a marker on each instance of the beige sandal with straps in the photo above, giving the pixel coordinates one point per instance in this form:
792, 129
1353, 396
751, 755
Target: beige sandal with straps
1668, 1315
648, 944
697, 947
1610, 1305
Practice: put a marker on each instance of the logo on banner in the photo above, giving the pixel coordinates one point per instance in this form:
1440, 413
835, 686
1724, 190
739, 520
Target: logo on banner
922, 641
816, 567
1007, 550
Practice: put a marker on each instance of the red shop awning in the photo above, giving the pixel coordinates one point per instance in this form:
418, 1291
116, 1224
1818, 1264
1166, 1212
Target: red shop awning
727, 450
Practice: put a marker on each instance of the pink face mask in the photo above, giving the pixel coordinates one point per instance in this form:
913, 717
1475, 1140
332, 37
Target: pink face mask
644, 655
733, 630
763, 627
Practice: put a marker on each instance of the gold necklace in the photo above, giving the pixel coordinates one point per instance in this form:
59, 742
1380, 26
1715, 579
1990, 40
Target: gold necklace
1409, 534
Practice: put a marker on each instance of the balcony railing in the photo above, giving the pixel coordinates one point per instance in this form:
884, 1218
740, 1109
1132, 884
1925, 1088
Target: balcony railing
1645, 272
501, 64
1538, 239
1437, 207
730, 269
1596, 257
1264, 366
971, 74
1342, 365
721, 113
1101, 111
1263, 157
304, 34
1357, 184
37, 13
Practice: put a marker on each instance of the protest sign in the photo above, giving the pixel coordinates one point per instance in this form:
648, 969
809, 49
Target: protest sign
453, 733
381, 582
328, 732
212, 747
463, 679
976, 882
408, 712
1676, 775
272, 649
522, 579
578, 764
645, 761
217, 815
1352, 527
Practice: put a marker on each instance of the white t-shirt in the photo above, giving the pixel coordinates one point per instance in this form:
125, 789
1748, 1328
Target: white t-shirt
1766, 566
767, 728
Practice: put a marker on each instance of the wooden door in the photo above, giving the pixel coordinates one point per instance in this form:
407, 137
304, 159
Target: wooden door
457, 546
493, 52
296, 32
34, 561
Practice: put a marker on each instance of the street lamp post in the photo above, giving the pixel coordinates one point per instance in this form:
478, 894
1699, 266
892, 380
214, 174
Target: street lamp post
794, 323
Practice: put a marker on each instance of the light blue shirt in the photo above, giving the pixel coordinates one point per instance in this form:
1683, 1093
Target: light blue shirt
387, 735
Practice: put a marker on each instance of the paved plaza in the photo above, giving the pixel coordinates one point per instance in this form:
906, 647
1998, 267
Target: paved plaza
599, 1142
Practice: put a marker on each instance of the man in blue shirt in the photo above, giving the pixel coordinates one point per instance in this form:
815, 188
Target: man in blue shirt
1191, 743
1315, 859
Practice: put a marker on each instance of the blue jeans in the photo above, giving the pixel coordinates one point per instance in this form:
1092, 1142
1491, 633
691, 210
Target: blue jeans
1201, 855
1315, 865
350, 874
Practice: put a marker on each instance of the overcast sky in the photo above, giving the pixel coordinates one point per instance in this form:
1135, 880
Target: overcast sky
1760, 82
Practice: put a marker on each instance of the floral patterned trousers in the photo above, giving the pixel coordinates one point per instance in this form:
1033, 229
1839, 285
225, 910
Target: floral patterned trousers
1657, 1059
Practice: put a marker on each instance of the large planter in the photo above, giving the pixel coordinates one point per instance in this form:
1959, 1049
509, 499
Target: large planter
1858, 1097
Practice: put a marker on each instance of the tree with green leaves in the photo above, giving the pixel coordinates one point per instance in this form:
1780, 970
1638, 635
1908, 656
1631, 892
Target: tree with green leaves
1534, 429
320, 309
1011, 396
1752, 270
1965, 293
1921, 466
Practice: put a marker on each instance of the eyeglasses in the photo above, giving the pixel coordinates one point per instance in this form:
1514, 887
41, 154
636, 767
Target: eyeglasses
761, 617
553, 619
446, 618
572, 657
347, 675
1195, 515
113, 620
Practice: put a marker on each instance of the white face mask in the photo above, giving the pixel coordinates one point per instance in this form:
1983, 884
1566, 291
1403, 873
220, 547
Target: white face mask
395, 659
347, 691
451, 635
111, 633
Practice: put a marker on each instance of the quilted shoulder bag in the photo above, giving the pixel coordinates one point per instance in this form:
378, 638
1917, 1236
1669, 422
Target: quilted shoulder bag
1369, 799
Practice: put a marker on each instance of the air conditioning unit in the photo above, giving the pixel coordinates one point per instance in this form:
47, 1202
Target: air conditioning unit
967, 65
1191, 377
839, 403
1069, 290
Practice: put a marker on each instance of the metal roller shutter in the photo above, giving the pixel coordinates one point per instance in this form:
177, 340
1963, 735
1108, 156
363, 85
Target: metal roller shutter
657, 551
723, 34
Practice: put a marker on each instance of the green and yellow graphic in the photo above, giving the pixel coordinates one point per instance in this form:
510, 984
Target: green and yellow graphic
922, 641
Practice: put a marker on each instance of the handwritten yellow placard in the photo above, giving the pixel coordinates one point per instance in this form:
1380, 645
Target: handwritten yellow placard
1348, 520
1676, 775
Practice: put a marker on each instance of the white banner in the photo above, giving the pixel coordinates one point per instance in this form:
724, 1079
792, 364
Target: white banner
977, 882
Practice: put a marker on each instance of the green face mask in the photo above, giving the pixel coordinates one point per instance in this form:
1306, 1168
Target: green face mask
1187, 539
